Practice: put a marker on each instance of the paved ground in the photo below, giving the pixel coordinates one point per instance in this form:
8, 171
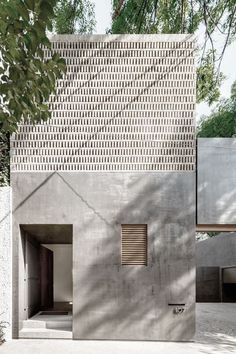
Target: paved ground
216, 333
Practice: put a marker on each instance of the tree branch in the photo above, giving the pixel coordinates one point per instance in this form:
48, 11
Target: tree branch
118, 9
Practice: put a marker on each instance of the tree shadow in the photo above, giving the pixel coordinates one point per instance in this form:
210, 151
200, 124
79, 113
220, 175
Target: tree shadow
112, 301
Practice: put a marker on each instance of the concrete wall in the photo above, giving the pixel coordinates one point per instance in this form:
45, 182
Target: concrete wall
111, 301
211, 256
62, 272
216, 181
208, 284
217, 251
6, 260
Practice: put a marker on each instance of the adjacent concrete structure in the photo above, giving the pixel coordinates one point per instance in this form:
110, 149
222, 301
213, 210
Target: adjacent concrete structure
219, 250
216, 181
216, 211
119, 149
216, 269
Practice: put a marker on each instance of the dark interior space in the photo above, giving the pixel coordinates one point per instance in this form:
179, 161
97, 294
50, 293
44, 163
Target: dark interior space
39, 267
229, 284
229, 293
208, 284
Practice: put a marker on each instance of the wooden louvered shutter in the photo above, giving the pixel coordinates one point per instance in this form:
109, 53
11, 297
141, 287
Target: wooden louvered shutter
134, 244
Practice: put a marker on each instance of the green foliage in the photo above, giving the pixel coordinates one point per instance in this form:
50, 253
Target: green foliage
208, 80
74, 16
3, 325
152, 16
201, 236
213, 233
4, 158
2, 340
222, 122
27, 78
216, 18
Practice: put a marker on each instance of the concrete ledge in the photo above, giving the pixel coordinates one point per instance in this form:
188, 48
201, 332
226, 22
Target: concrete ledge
123, 38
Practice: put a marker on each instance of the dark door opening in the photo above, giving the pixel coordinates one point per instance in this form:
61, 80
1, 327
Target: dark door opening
47, 283
229, 284
46, 278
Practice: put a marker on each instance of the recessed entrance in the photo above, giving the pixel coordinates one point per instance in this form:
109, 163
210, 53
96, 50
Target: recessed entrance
229, 284
45, 298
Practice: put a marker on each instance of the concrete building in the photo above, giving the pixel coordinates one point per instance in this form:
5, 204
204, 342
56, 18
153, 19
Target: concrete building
105, 202
216, 176
107, 187
216, 211
216, 269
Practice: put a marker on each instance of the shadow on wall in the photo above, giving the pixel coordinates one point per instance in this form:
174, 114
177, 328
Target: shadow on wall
114, 301
216, 172
136, 300
72, 75
131, 302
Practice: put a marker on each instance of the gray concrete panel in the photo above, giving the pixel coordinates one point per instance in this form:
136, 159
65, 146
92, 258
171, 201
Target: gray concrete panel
216, 181
208, 285
111, 301
217, 251
212, 255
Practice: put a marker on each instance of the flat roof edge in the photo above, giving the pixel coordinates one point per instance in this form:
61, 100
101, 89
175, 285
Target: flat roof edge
123, 38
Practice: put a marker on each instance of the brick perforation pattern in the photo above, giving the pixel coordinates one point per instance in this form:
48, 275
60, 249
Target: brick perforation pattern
121, 106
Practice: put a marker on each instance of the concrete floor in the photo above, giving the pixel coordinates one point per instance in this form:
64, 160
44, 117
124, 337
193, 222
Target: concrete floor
47, 326
216, 333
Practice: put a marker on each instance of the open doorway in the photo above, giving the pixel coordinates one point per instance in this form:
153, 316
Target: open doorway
47, 281
229, 284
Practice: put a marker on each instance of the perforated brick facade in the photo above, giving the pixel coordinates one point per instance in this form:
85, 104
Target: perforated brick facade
121, 141
126, 103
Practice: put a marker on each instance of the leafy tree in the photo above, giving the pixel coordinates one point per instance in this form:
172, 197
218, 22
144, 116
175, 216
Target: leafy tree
74, 16
222, 122
3, 325
27, 78
4, 158
215, 17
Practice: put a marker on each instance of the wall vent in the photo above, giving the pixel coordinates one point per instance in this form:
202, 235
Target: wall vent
134, 244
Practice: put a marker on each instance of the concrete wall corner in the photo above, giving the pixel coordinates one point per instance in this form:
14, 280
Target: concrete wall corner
6, 261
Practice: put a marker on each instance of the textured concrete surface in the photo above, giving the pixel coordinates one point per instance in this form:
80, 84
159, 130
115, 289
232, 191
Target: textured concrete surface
47, 326
5, 260
216, 175
62, 272
211, 256
111, 301
217, 251
208, 284
216, 333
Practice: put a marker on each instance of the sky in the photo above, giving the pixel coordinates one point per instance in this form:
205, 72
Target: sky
103, 18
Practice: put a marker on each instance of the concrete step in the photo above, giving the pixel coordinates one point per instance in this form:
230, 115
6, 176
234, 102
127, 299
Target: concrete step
34, 324
40, 333
47, 324
59, 324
